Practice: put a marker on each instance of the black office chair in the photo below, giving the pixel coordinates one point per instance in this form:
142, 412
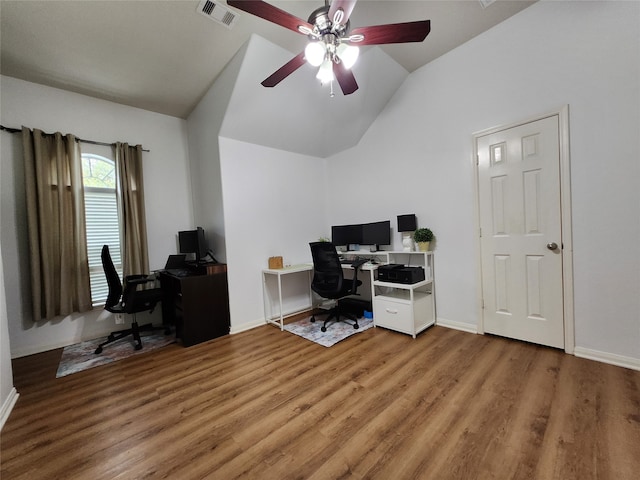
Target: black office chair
329, 282
129, 300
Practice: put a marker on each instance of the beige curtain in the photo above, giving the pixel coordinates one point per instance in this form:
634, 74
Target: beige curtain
135, 256
55, 216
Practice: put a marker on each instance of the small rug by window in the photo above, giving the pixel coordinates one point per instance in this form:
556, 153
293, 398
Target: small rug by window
335, 331
81, 356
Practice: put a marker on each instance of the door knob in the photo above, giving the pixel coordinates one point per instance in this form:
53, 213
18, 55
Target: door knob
552, 246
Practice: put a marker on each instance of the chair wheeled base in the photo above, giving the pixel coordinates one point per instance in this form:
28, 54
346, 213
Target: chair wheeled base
135, 331
335, 314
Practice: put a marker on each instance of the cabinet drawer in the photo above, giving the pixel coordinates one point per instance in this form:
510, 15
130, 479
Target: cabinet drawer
394, 315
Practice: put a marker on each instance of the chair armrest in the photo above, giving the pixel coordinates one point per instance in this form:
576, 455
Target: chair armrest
138, 279
133, 294
356, 267
131, 282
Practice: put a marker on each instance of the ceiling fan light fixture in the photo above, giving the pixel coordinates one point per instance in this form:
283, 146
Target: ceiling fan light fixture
325, 72
315, 53
348, 54
328, 30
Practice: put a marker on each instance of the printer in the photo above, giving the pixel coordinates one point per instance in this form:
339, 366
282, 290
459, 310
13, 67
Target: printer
398, 273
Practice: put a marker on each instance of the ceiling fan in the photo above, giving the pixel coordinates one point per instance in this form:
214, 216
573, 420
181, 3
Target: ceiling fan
332, 45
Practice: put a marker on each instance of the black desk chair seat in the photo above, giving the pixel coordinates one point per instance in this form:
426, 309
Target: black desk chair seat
129, 300
329, 282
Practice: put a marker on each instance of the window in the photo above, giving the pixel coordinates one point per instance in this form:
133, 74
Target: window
102, 220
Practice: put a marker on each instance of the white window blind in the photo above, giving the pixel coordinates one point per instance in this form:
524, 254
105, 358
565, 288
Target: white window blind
101, 212
102, 221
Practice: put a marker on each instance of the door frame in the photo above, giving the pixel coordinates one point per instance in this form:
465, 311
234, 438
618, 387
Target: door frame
565, 223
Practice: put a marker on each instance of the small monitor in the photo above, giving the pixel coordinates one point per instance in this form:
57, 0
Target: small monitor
193, 241
377, 233
407, 223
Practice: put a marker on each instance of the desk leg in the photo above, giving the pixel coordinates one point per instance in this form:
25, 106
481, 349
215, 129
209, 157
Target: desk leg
264, 297
268, 314
309, 276
280, 300
373, 296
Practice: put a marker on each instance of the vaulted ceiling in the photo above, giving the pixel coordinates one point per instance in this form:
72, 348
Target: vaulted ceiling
163, 56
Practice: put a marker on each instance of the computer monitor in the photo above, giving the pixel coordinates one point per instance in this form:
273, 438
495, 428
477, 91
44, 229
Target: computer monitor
377, 233
346, 235
193, 241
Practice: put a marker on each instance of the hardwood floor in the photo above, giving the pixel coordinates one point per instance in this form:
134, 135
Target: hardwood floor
266, 404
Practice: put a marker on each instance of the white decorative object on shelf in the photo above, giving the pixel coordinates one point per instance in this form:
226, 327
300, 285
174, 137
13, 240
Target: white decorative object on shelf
407, 242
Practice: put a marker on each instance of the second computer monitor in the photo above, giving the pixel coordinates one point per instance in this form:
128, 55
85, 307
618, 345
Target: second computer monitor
193, 241
377, 233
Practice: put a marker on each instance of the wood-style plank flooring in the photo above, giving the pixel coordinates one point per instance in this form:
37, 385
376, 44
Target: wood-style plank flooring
266, 404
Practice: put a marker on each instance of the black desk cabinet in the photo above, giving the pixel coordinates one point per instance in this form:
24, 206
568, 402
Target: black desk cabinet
198, 306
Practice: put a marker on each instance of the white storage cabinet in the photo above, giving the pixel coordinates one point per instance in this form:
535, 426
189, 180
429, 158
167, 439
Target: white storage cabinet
406, 308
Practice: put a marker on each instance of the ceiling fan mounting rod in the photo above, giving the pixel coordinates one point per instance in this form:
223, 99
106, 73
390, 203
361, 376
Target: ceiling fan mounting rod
323, 25
330, 42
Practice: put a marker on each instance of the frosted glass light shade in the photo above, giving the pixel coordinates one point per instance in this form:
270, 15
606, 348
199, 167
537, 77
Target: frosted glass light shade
314, 53
325, 73
348, 54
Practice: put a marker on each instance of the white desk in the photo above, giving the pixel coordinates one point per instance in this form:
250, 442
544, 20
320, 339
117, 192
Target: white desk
278, 319
405, 308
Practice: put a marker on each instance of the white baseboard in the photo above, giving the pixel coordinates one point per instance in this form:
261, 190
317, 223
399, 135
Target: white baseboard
93, 335
24, 352
465, 327
590, 354
610, 358
247, 326
7, 406
258, 323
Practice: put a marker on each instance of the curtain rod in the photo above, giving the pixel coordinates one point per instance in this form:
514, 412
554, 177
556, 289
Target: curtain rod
92, 142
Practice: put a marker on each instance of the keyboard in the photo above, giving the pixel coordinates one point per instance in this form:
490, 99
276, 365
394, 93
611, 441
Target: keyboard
349, 262
179, 272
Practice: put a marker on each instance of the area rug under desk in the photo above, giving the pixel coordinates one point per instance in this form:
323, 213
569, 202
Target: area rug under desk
79, 357
335, 331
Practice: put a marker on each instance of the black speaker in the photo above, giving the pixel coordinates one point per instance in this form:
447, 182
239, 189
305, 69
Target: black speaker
407, 223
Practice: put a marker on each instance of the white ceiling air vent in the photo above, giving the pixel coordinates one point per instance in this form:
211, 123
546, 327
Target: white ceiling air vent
217, 12
486, 3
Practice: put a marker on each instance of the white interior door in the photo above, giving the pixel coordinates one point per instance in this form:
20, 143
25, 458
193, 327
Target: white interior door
521, 235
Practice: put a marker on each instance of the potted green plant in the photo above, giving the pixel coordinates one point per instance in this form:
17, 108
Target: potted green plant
422, 237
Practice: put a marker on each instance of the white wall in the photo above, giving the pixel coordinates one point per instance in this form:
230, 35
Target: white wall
8, 394
254, 202
274, 206
203, 125
167, 194
298, 115
419, 150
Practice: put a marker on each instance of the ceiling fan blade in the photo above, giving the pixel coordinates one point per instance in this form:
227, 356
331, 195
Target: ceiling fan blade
269, 12
393, 33
345, 78
284, 71
346, 6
